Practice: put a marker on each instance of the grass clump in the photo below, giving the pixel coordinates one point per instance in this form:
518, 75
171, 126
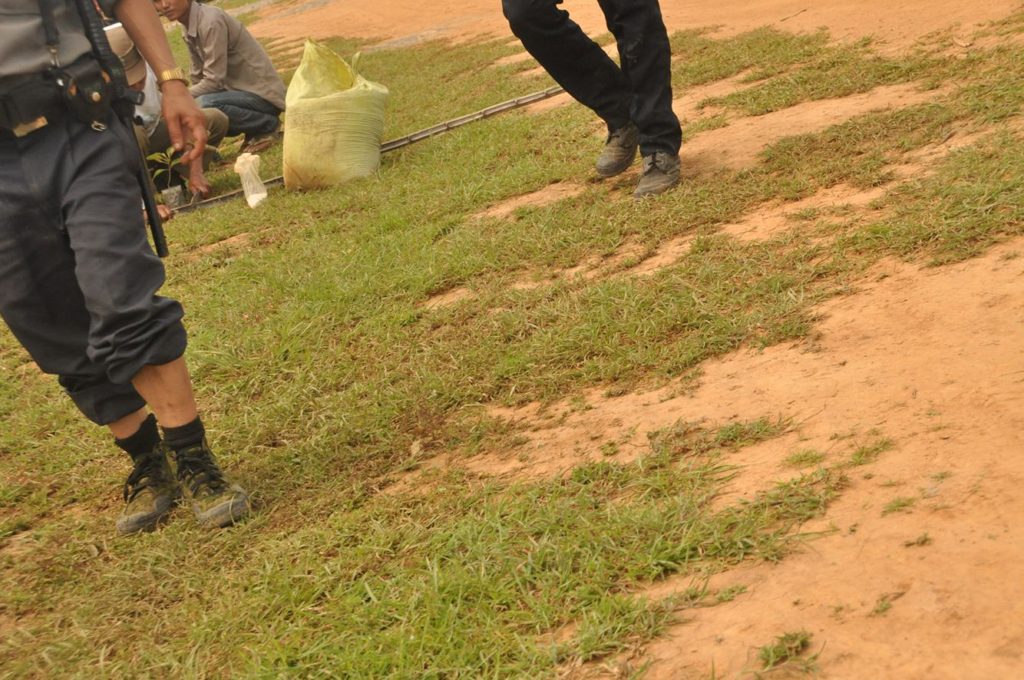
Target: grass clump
784, 649
834, 72
805, 458
884, 603
758, 54
868, 453
900, 504
731, 593
963, 217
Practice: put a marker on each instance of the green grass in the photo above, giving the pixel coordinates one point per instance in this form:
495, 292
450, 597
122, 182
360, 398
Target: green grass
784, 649
900, 504
704, 124
884, 603
323, 378
731, 593
868, 453
233, 4
804, 458
832, 72
758, 55
468, 577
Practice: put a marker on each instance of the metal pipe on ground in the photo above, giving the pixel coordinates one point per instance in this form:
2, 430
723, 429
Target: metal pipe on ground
417, 136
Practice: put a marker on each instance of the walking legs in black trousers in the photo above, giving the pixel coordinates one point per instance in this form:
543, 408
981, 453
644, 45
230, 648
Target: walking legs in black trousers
634, 99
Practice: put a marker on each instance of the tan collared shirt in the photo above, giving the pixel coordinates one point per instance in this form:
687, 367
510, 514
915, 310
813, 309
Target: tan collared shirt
225, 56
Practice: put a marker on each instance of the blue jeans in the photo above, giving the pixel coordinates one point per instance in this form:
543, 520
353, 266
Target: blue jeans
248, 114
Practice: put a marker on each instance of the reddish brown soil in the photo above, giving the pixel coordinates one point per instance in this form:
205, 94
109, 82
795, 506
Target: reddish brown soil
895, 25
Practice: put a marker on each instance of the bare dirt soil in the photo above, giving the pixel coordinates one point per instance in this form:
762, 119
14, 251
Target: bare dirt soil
895, 25
932, 359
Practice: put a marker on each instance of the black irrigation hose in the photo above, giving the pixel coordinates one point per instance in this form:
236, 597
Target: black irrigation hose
409, 139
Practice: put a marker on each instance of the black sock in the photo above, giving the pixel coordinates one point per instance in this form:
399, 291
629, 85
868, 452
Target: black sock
184, 436
143, 441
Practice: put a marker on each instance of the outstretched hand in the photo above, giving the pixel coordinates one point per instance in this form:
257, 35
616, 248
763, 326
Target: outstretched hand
186, 124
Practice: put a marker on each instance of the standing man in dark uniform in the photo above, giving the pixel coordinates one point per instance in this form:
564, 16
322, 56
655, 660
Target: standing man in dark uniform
634, 100
78, 280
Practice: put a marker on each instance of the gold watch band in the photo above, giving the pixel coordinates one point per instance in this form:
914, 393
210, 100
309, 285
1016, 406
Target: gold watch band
171, 74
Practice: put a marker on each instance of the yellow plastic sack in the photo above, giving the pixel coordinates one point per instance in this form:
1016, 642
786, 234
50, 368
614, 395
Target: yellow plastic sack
334, 121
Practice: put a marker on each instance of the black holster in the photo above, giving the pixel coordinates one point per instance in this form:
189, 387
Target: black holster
85, 88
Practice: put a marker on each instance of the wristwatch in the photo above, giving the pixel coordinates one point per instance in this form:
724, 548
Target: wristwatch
171, 74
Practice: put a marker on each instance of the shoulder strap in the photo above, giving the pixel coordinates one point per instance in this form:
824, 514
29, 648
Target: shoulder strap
50, 29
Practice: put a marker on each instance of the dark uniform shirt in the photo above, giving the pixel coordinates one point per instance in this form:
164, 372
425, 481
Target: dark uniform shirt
22, 40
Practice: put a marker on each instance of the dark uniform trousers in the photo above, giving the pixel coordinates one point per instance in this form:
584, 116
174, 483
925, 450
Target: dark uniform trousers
78, 279
639, 91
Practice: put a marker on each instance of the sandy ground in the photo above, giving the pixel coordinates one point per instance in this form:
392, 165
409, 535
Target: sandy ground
934, 361
931, 358
893, 24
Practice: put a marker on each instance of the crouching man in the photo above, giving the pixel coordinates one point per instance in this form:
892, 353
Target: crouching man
230, 71
151, 129
78, 280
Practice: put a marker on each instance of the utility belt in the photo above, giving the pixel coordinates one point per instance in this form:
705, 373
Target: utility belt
81, 89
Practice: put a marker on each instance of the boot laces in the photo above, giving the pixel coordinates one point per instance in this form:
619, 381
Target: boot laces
197, 469
654, 161
148, 472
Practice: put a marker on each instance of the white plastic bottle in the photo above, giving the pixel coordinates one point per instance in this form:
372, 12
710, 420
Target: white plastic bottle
247, 165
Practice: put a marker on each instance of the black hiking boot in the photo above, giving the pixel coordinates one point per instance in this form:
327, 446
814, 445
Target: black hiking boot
149, 493
215, 499
661, 173
619, 151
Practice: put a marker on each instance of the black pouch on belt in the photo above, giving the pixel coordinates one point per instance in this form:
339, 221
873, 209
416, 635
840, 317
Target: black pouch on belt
27, 103
86, 90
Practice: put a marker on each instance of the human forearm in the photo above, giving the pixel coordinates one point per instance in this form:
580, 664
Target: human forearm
185, 124
141, 22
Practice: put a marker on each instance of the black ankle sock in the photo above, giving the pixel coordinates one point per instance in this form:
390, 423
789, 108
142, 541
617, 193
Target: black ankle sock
143, 441
184, 436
